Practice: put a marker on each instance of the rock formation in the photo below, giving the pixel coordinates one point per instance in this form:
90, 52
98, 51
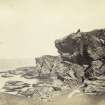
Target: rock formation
83, 47
81, 63
88, 50
87, 45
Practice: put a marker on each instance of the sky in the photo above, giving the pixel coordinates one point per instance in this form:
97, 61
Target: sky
28, 28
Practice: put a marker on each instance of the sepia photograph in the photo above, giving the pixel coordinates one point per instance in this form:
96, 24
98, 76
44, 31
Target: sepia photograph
52, 52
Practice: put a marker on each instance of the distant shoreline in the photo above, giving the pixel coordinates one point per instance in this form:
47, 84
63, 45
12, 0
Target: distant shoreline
12, 64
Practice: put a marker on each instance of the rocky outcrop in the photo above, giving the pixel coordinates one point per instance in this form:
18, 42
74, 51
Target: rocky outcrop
81, 63
82, 46
88, 50
51, 67
54, 77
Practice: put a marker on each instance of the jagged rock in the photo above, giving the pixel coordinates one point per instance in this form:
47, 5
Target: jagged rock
82, 47
86, 48
51, 67
98, 68
45, 64
29, 92
15, 85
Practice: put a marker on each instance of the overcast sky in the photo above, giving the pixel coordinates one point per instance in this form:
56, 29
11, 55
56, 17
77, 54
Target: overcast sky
28, 28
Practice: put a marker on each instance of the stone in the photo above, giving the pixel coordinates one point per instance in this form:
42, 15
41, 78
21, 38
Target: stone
82, 47
52, 69
15, 85
28, 92
45, 64
95, 86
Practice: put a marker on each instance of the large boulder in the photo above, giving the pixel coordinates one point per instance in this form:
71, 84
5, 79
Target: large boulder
46, 63
88, 50
82, 47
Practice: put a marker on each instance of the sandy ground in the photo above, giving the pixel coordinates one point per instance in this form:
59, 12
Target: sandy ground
7, 99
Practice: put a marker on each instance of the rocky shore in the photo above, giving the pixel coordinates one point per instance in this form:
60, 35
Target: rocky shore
80, 65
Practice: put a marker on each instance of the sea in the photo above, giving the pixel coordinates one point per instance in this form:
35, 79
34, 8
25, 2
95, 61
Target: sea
12, 64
